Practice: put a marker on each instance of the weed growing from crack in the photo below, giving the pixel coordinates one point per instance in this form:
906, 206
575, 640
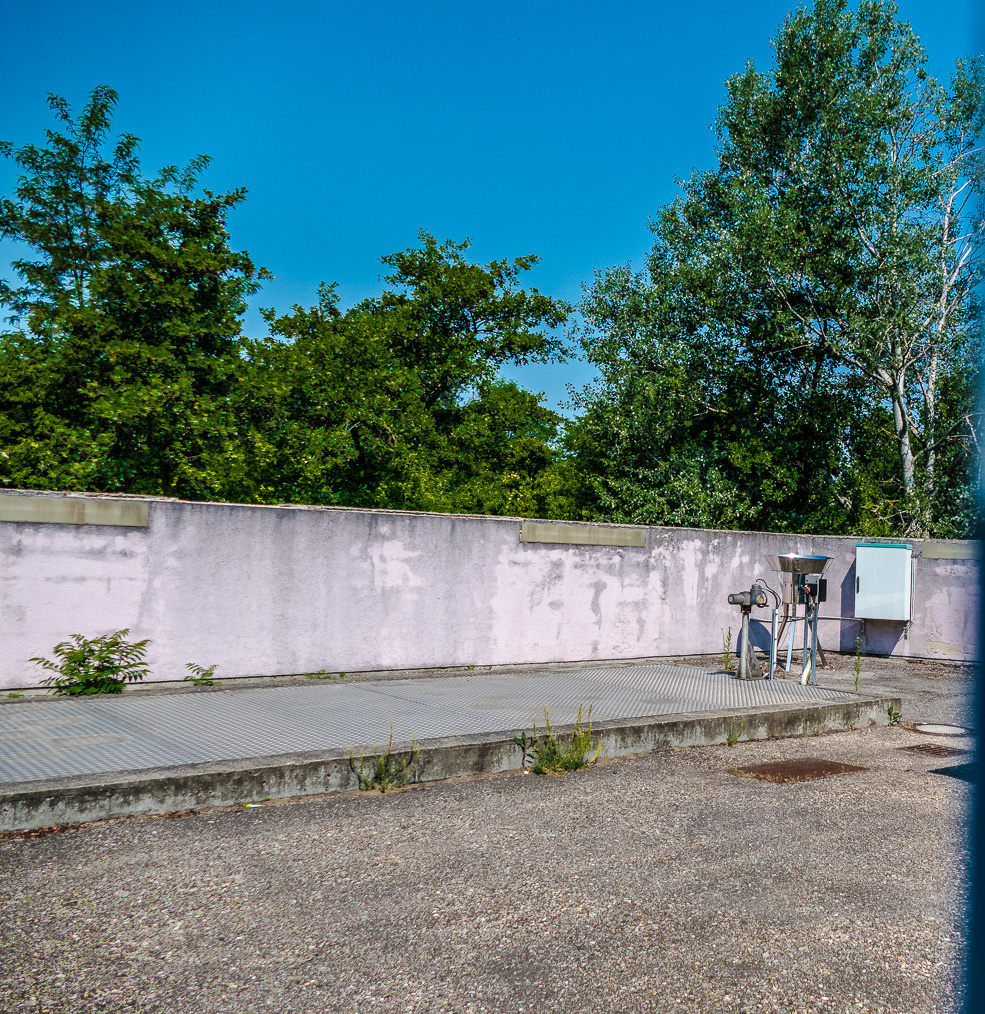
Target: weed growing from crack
857, 665
526, 747
548, 753
199, 676
734, 732
894, 715
387, 771
97, 665
727, 649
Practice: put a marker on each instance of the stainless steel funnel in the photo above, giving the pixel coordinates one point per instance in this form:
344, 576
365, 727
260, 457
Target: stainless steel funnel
796, 563
799, 563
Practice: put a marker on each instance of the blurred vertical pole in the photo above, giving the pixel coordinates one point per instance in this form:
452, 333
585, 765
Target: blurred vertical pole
974, 959
974, 970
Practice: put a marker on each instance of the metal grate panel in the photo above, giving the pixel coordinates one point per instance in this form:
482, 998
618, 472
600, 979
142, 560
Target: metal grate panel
55, 738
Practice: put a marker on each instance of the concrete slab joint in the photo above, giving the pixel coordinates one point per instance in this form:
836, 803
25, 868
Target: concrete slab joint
582, 534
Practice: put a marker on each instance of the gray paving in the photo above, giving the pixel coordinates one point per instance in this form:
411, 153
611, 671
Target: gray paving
85, 736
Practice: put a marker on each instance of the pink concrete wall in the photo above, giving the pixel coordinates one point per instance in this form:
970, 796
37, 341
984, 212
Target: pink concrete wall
274, 590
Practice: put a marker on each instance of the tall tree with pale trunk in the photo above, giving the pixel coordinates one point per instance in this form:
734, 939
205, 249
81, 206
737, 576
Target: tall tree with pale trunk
835, 247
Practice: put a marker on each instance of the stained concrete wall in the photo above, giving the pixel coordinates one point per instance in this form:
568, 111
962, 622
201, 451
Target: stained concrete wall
274, 590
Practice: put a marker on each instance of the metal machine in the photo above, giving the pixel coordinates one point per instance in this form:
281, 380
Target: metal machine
756, 596
801, 583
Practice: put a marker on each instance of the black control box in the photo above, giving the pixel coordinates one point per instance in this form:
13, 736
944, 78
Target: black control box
817, 585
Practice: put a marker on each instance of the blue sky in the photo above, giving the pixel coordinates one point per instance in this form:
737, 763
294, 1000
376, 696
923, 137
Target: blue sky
540, 127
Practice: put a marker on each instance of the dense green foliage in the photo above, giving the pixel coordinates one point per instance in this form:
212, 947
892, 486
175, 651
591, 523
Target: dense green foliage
118, 377
396, 402
128, 371
797, 354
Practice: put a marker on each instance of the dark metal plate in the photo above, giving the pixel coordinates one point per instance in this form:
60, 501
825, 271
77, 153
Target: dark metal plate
933, 750
799, 769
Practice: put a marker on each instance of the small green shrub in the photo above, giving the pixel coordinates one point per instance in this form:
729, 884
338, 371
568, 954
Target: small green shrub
734, 732
199, 675
548, 753
386, 771
894, 716
727, 649
526, 746
857, 666
98, 665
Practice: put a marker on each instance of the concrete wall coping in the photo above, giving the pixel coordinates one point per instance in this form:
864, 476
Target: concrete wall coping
972, 544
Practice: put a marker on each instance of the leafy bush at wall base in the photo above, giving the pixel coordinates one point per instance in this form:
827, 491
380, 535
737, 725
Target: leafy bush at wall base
98, 665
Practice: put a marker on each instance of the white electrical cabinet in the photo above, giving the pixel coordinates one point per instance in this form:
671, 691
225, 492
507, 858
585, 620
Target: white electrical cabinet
883, 575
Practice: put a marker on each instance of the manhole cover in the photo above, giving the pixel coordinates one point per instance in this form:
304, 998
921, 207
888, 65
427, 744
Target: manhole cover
800, 769
942, 730
933, 750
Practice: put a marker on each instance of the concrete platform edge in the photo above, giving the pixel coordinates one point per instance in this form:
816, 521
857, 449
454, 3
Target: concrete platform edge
69, 801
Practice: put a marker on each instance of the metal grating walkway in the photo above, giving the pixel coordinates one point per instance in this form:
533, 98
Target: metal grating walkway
93, 735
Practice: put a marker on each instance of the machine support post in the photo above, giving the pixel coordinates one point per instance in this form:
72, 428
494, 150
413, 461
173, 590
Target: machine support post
814, 644
806, 655
744, 668
747, 657
769, 675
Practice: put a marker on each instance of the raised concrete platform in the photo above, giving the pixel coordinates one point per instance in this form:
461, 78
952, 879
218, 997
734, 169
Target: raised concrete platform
66, 761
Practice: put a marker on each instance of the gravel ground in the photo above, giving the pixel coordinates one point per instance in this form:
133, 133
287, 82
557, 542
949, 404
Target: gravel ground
661, 883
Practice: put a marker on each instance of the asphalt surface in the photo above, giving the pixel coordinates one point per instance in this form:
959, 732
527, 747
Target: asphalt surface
662, 883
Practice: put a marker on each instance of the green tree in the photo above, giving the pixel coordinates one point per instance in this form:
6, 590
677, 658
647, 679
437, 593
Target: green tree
326, 411
127, 346
501, 456
56, 207
455, 323
394, 402
797, 352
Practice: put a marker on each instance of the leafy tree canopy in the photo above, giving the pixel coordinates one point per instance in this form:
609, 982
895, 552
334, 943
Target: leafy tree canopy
383, 404
127, 340
799, 352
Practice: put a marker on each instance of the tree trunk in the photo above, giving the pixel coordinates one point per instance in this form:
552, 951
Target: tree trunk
929, 427
902, 428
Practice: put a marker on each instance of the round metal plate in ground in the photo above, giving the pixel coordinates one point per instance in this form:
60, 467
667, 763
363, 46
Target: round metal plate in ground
932, 729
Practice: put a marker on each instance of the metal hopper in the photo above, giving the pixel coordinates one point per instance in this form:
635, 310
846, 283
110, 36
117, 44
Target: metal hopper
800, 581
796, 563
